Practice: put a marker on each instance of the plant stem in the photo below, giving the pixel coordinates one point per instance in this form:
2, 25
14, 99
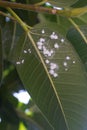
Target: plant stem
78, 29
67, 12
6, 4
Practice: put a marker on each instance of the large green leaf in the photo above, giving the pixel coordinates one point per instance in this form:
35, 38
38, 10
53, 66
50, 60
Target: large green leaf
63, 98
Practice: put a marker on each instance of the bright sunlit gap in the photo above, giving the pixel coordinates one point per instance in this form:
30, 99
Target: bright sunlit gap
22, 96
0, 120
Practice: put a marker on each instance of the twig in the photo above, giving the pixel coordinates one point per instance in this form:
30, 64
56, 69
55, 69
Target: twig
6, 15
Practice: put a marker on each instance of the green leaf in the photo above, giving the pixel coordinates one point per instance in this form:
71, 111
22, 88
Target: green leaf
10, 34
7, 126
80, 3
78, 43
62, 98
62, 3
1, 58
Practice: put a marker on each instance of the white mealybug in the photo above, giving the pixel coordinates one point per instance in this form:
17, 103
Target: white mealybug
51, 72
67, 58
47, 61
22, 61
25, 51
55, 75
18, 62
56, 45
74, 62
43, 31
62, 40
65, 63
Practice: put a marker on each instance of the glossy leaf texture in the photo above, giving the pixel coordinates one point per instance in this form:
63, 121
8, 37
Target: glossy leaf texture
62, 101
62, 3
79, 44
62, 24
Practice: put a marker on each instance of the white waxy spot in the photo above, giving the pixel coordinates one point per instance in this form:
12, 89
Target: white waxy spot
53, 33
66, 69
67, 58
40, 47
51, 51
18, 63
43, 31
44, 48
65, 63
29, 50
53, 66
62, 40
56, 45
53, 36
42, 40
51, 72
74, 62
25, 51
55, 75
47, 61
49, 54
45, 51
22, 61
7, 19
56, 37
39, 43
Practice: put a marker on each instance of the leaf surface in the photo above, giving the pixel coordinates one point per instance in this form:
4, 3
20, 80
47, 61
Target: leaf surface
62, 98
1, 57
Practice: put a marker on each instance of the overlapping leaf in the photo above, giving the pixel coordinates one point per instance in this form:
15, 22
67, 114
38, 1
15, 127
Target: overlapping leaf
62, 3
78, 43
1, 57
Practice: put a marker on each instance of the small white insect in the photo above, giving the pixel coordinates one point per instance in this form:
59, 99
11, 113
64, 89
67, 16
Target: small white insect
53, 36
55, 75
29, 50
62, 40
51, 72
65, 63
47, 61
18, 63
74, 62
67, 58
40, 47
56, 45
53, 66
22, 61
43, 31
42, 39
25, 51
